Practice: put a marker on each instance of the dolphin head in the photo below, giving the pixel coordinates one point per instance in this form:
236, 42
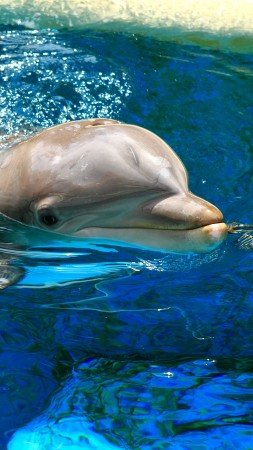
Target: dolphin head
104, 179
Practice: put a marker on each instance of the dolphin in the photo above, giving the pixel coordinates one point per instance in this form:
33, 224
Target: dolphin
100, 178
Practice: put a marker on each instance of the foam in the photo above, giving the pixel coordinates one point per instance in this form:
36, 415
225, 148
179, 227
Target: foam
226, 16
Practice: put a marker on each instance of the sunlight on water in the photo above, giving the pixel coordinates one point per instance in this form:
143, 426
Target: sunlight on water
43, 73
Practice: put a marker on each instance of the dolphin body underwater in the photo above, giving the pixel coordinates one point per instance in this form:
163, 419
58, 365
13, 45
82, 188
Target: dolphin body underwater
100, 178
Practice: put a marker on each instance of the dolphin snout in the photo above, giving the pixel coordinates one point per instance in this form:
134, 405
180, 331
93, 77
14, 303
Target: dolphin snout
186, 211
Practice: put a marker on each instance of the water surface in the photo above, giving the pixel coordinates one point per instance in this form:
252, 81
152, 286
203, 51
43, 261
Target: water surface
153, 350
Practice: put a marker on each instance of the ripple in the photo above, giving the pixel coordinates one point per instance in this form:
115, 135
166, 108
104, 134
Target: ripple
113, 404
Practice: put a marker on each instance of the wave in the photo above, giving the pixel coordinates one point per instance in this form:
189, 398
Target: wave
214, 23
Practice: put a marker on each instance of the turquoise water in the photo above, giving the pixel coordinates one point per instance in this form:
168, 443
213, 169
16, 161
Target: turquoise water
110, 347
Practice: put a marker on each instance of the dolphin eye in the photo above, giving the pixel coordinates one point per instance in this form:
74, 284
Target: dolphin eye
48, 219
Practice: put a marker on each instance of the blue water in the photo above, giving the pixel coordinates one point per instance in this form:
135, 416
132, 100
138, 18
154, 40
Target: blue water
111, 347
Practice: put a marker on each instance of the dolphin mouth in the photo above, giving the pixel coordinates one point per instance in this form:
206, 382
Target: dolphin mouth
181, 224
198, 240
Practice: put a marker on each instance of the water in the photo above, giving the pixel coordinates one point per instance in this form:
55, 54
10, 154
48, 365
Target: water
104, 346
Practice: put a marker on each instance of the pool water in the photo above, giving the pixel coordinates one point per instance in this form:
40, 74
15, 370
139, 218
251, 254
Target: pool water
112, 347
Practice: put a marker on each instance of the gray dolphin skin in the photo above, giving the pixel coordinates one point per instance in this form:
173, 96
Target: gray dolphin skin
100, 178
